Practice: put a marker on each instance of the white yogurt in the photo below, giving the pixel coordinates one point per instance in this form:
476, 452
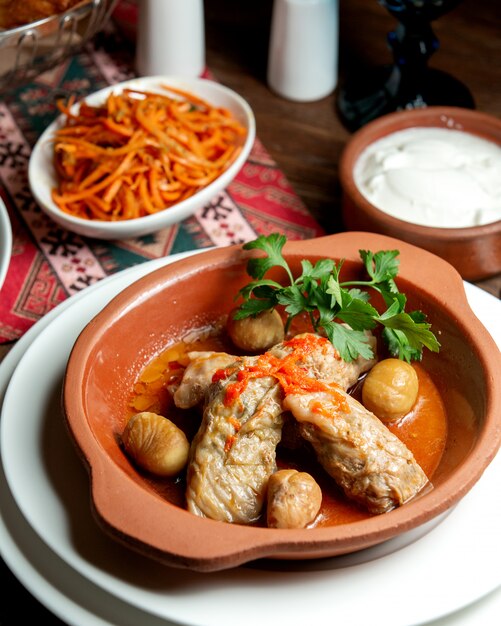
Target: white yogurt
433, 177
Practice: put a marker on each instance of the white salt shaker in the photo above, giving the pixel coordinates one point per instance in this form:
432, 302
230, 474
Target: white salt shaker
303, 50
170, 38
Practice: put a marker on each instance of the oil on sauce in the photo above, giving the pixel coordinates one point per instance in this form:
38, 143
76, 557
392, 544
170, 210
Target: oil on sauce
423, 430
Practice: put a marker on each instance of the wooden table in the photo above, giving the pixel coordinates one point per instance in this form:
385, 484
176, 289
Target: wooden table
306, 140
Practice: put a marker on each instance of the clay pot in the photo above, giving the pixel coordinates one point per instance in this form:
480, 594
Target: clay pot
475, 251
161, 307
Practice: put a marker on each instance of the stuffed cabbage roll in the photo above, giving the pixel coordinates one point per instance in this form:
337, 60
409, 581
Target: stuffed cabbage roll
233, 453
197, 377
366, 460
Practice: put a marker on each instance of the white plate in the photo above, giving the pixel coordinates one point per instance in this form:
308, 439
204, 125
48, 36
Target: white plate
55, 584
42, 176
51, 487
5, 241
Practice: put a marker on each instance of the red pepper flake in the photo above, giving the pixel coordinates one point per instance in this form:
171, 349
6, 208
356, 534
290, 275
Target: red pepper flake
288, 370
322, 409
235, 423
222, 374
230, 440
233, 392
307, 343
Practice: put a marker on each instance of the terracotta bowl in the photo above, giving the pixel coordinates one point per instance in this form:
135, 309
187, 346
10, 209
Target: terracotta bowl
161, 307
474, 251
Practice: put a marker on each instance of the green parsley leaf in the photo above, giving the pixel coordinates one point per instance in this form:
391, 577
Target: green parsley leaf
348, 342
293, 299
341, 309
251, 308
399, 347
358, 294
336, 291
272, 245
317, 271
359, 315
250, 289
408, 336
381, 266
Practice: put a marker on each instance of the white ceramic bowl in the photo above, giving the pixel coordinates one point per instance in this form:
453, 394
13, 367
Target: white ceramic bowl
5, 242
42, 177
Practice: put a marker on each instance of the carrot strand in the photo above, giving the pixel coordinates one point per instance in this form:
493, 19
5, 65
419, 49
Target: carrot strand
140, 152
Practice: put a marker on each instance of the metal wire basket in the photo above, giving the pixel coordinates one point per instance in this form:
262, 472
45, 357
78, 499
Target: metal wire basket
29, 50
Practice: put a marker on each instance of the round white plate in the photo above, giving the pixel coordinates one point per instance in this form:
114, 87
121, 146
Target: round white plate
51, 487
55, 584
42, 177
5, 241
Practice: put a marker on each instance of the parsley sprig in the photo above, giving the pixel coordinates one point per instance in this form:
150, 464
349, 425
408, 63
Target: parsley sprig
320, 292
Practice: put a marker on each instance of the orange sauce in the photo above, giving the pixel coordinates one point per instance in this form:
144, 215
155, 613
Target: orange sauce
423, 430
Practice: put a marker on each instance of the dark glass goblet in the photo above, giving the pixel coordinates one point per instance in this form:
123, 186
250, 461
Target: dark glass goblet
409, 83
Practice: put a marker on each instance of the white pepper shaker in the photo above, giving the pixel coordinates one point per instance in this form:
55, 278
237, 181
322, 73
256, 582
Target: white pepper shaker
303, 50
170, 38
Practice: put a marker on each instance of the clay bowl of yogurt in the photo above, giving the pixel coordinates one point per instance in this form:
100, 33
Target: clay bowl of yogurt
430, 177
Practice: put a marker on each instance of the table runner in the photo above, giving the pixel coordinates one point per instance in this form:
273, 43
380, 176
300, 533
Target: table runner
49, 263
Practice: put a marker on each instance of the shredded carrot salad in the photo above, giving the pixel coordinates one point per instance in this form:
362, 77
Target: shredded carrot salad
140, 153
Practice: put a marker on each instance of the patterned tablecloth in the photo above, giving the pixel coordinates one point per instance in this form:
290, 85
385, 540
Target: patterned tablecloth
49, 263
